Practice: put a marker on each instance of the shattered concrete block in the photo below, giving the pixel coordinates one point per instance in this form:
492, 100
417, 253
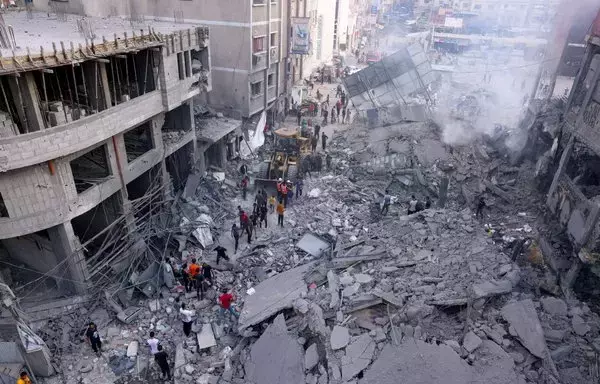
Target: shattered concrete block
132, 349
358, 356
189, 369
332, 281
301, 306
346, 280
471, 342
523, 318
579, 325
276, 357
363, 278
340, 337
154, 305
453, 344
491, 288
351, 290
554, 306
311, 357
206, 338
335, 371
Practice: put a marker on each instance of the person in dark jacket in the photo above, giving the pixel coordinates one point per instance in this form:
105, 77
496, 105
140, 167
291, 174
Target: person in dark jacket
161, 358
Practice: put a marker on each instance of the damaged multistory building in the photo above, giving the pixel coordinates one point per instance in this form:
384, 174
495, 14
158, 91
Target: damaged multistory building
574, 193
96, 122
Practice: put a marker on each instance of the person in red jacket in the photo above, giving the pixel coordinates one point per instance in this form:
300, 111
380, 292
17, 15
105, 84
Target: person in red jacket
225, 304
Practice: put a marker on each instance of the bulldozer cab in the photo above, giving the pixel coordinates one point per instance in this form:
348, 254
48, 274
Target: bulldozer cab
289, 140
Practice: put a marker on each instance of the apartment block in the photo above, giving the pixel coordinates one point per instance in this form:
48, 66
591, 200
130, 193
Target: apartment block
574, 195
94, 114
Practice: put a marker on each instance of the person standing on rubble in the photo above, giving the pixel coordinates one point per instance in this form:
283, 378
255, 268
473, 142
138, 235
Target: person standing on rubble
480, 206
299, 116
412, 205
333, 114
328, 161
195, 278
246, 226
324, 138
221, 254
153, 344
162, 361
338, 90
280, 211
186, 319
93, 338
244, 185
387, 199
427, 202
279, 183
284, 193
313, 142
299, 186
325, 114
185, 277
338, 107
207, 270
263, 216
317, 130
24, 378
226, 304
272, 203
235, 233
344, 115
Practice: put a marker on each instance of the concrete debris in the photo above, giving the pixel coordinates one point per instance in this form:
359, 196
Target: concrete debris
313, 245
580, 327
340, 337
522, 316
358, 356
275, 357
132, 349
491, 288
471, 342
273, 295
206, 337
554, 306
311, 357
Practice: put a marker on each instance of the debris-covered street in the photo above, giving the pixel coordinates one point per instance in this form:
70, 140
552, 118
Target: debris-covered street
416, 202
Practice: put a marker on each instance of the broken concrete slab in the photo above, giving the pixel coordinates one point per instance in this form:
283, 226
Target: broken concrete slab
554, 306
522, 316
363, 278
358, 356
580, 327
276, 357
390, 298
332, 281
491, 288
471, 342
419, 362
206, 337
311, 357
340, 337
313, 245
132, 349
273, 295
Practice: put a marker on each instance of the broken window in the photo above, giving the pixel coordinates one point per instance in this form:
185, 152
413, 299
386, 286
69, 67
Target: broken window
256, 88
258, 44
270, 81
143, 191
199, 60
273, 39
187, 63
3, 211
179, 166
584, 169
138, 141
10, 120
90, 169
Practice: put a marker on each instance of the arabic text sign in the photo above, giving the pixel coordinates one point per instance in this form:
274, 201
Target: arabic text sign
300, 35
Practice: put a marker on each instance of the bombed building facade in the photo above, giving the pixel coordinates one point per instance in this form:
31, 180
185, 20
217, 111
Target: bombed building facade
573, 194
91, 126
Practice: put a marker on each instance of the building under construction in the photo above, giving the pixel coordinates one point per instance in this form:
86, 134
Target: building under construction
96, 130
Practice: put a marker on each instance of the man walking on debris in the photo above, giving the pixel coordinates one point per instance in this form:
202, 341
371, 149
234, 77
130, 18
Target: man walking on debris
480, 205
387, 199
317, 130
195, 277
333, 114
280, 210
185, 276
24, 378
412, 205
344, 115
284, 193
207, 271
338, 106
153, 344
93, 338
221, 254
263, 216
186, 319
427, 202
328, 161
299, 186
244, 185
162, 361
272, 203
324, 138
314, 141
235, 233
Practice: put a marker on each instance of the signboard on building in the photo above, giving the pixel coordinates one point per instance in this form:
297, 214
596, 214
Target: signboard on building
453, 22
300, 35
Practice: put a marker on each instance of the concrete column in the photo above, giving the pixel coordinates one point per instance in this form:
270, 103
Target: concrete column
66, 248
96, 79
25, 94
561, 168
200, 161
118, 163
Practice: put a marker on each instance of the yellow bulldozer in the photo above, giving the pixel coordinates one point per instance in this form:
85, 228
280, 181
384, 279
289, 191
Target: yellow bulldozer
285, 159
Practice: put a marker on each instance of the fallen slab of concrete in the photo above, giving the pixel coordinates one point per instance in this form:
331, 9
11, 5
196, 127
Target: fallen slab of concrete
276, 357
522, 316
274, 295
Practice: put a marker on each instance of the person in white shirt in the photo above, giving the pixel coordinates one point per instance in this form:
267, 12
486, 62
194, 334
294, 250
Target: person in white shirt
153, 344
186, 318
412, 205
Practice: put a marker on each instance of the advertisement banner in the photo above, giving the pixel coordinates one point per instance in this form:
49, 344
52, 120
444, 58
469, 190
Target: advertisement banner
453, 22
300, 35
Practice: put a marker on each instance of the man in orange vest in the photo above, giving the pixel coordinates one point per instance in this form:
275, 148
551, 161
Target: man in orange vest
279, 183
284, 194
194, 272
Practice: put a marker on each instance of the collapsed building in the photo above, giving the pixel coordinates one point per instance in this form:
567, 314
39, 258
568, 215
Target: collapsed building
573, 193
95, 126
